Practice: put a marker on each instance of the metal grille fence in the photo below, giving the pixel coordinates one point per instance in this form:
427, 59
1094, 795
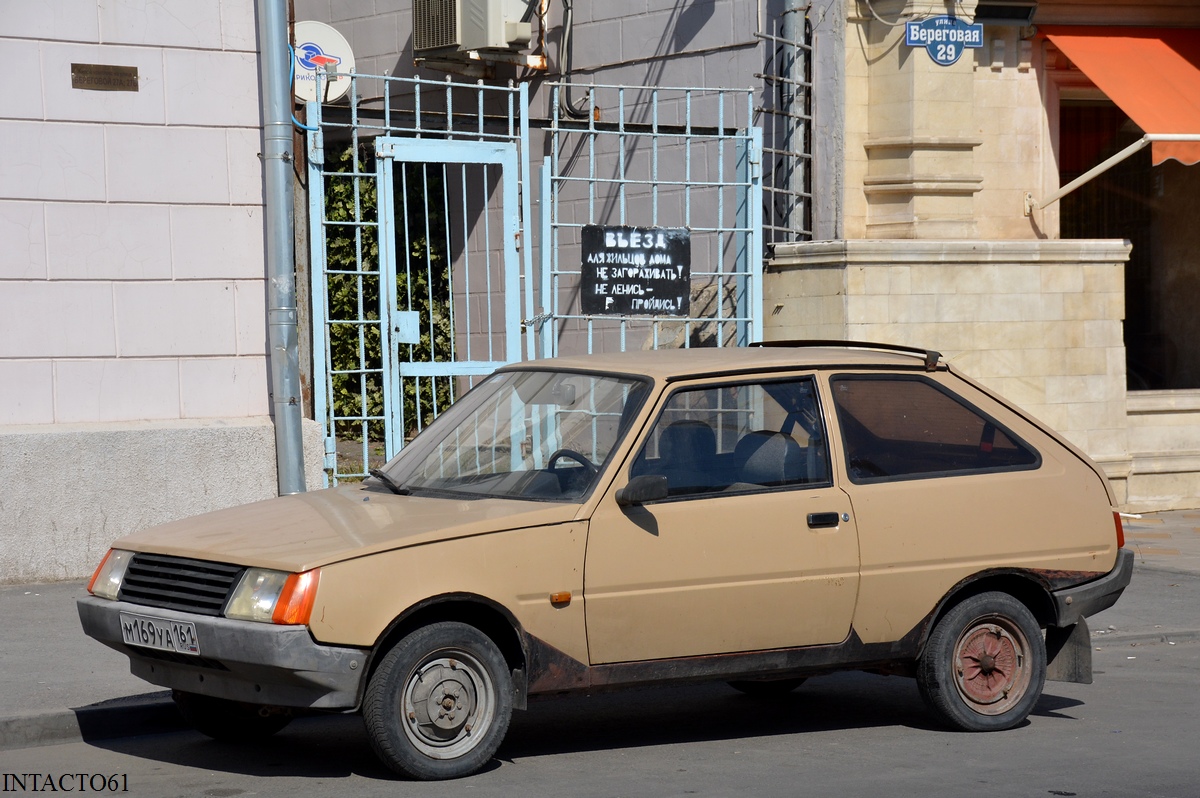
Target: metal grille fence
787, 128
670, 157
410, 276
422, 238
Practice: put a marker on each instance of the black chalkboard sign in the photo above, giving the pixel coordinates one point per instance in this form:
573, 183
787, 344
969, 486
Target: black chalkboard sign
636, 271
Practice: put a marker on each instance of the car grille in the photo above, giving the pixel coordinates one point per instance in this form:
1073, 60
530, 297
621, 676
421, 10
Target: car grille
179, 583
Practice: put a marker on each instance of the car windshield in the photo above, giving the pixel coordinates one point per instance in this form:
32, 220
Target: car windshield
537, 435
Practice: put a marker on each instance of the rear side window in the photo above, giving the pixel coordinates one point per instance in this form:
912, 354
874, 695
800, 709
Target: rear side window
907, 427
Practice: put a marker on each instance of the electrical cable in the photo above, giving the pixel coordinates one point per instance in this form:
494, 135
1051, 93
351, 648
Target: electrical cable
565, 103
899, 22
292, 82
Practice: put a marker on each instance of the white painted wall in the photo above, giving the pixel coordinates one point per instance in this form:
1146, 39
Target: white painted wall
131, 255
132, 274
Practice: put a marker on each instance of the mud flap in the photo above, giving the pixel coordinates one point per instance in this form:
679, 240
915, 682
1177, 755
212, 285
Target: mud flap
1069, 653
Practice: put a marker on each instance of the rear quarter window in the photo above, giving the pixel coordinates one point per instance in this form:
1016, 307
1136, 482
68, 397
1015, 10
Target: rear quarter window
910, 427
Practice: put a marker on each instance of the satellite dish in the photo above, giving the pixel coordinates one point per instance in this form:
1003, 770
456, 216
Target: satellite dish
320, 48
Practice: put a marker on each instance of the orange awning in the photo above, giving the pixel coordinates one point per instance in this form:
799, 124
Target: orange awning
1152, 74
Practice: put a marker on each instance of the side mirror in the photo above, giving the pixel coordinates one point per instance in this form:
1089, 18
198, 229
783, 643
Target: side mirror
646, 488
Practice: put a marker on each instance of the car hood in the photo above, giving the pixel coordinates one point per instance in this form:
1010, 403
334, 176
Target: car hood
307, 530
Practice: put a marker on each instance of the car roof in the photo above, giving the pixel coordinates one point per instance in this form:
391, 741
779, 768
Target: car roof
679, 363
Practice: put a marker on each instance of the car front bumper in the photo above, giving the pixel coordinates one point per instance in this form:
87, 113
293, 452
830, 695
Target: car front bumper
258, 663
1082, 601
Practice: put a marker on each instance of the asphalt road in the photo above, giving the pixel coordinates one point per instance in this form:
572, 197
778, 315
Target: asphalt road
1132, 733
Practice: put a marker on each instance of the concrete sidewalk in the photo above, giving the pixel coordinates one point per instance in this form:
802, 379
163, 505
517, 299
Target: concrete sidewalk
57, 685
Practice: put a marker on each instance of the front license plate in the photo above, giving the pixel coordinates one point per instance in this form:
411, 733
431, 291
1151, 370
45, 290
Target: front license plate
159, 633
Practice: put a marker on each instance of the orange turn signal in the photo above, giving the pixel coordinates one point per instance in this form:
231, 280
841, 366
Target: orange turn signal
563, 597
99, 568
295, 602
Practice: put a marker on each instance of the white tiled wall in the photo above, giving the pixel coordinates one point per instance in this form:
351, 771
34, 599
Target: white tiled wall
22, 241
99, 390
169, 24
145, 106
91, 241
131, 241
60, 20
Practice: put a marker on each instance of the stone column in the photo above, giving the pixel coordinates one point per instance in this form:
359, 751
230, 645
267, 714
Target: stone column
921, 177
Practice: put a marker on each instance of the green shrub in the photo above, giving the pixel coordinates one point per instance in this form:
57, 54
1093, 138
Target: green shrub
353, 286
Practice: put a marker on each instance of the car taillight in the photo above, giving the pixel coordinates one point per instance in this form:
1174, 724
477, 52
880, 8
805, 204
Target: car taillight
1120, 530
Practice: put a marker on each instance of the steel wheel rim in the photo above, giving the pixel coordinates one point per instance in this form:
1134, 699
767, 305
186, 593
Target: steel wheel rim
992, 671
449, 703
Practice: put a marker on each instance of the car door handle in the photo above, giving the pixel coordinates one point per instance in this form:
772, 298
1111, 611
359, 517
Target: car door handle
822, 520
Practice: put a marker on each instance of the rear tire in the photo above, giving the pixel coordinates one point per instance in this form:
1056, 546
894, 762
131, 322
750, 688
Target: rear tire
984, 665
230, 721
440, 702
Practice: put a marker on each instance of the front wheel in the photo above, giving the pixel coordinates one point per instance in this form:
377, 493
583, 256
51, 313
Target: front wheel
984, 665
440, 702
230, 721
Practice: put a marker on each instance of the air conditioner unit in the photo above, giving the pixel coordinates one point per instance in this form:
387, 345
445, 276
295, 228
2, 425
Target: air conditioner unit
447, 26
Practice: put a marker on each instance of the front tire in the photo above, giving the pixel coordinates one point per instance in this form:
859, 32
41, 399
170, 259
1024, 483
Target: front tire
440, 702
984, 665
230, 721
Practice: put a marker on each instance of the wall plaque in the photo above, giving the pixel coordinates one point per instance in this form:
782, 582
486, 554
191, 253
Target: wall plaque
104, 77
944, 37
636, 271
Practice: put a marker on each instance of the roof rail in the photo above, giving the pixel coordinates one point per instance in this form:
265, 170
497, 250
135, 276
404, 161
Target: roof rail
931, 357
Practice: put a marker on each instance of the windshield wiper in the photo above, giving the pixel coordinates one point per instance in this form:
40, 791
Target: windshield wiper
389, 483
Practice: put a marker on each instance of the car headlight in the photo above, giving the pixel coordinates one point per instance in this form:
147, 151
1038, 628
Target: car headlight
106, 581
273, 596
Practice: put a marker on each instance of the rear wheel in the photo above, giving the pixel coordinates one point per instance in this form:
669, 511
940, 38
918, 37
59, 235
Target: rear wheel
230, 721
440, 702
984, 665
766, 688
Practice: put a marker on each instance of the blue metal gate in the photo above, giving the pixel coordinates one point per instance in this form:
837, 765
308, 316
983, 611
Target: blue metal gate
415, 211
422, 239
485, 332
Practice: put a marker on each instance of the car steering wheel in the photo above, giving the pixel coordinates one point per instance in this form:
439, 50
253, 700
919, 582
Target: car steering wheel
571, 454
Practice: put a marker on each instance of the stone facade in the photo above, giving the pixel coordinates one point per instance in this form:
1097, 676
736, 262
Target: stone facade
1037, 321
938, 252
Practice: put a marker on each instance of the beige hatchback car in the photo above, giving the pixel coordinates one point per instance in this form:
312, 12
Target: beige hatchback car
755, 516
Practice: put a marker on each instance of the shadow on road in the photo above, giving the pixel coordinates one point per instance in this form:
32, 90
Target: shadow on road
337, 746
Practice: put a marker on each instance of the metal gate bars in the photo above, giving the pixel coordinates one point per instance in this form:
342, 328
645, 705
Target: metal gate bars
654, 157
429, 268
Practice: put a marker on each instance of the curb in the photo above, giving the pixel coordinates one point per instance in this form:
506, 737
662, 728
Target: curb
1146, 638
150, 713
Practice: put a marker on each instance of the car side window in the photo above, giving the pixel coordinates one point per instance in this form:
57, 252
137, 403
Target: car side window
907, 426
738, 438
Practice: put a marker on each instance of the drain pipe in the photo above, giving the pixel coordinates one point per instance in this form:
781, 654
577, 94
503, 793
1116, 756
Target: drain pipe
282, 336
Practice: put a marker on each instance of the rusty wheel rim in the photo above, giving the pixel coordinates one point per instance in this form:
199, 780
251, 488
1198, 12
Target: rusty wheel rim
991, 665
449, 704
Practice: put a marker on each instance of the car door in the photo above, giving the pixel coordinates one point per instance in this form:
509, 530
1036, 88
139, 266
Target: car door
948, 483
753, 548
